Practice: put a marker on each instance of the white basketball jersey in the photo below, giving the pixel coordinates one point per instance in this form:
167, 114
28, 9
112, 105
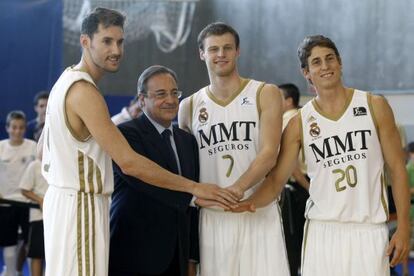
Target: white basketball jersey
67, 161
345, 163
227, 133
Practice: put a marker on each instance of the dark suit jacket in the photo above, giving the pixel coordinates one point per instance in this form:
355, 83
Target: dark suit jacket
148, 225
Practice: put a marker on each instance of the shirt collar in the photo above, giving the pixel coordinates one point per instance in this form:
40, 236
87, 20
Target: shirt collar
159, 127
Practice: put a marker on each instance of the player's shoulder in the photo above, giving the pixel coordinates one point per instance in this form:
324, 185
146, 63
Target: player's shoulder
296, 120
83, 90
377, 99
83, 85
269, 94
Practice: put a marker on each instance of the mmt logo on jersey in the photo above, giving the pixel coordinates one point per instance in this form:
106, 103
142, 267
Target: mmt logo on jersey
351, 146
237, 136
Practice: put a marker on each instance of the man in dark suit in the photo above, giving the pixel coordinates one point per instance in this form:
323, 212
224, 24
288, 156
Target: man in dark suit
150, 226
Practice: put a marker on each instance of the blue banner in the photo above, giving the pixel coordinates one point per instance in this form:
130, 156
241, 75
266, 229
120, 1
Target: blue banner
31, 52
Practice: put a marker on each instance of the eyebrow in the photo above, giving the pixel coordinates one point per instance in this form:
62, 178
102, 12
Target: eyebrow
165, 90
217, 46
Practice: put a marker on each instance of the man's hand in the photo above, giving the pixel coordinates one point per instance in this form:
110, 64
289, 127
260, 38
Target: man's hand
237, 191
213, 192
243, 206
212, 204
399, 246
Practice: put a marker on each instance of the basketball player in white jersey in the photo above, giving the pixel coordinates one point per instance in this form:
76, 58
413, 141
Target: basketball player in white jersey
237, 123
346, 135
79, 141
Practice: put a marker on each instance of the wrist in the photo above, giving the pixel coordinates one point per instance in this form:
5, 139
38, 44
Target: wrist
403, 224
192, 186
241, 186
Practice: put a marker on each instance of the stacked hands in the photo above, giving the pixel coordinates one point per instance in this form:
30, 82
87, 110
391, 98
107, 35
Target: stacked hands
228, 199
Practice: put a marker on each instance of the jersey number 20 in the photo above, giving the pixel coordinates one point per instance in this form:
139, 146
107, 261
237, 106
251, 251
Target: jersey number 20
350, 174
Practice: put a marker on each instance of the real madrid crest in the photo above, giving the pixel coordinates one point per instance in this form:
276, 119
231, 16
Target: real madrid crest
314, 130
203, 116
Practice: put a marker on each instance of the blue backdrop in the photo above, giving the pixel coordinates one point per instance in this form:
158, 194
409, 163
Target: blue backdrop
31, 52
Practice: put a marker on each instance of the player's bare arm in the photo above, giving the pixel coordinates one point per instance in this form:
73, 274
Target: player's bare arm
270, 134
279, 175
87, 113
394, 158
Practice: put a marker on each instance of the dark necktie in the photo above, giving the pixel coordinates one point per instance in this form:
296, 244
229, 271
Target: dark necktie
171, 155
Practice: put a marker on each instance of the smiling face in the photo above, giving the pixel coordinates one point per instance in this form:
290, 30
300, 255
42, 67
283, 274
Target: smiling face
324, 68
220, 54
159, 102
105, 48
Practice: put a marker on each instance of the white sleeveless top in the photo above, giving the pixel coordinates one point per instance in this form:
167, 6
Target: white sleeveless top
68, 162
345, 163
227, 133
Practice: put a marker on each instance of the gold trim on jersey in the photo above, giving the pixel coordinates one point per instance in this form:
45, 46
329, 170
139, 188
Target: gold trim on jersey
79, 232
90, 175
384, 195
224, 103
258, 94
81, 171
301, 135
98, 179
339, 115
68, 126
93, 233
86, 229
91, 197
371, 110
88, 222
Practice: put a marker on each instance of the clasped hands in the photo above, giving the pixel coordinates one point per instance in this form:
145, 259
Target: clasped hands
227, 199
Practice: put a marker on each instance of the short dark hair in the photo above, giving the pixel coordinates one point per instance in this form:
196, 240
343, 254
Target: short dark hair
217, 28
104, 16
15, 115
309, 42
291, 91
42, 95
410, 147
149, 73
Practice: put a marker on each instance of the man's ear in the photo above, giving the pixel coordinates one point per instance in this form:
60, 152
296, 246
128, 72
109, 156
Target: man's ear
201, 52
84, 40
141, 100
306, 75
